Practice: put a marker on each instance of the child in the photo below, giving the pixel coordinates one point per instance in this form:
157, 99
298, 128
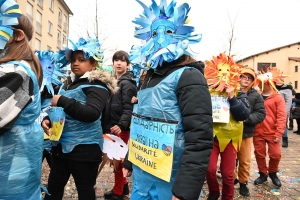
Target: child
119, 110
171, 129
256, 116
270, 130
78, 151
222, 75
21, 137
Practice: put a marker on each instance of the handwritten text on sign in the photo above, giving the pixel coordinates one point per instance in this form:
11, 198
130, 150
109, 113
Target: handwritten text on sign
151, 146
220, 108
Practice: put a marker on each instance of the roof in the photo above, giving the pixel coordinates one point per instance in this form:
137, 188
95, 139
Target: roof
275, 49
294, 58
67, 7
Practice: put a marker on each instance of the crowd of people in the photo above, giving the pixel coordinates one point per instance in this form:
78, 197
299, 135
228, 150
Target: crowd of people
180, 117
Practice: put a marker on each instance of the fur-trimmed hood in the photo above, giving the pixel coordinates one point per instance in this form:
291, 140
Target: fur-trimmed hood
104, 77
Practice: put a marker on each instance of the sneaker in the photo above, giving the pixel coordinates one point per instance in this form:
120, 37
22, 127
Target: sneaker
117, 197
261, 179
296, 131
109, 194
275, 179
236, 181
212, 197
244, 191
290, 128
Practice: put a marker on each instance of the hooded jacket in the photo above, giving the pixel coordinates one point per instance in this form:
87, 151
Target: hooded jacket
275, 120
90, 112
257, 113
196, 120
118, 109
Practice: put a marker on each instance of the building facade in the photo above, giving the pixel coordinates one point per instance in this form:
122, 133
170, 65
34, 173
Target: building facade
286, 58
50, 19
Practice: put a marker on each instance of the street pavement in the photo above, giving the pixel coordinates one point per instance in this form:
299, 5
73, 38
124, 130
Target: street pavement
289, 174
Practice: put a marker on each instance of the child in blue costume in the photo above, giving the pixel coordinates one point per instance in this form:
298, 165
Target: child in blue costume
53, 73
21, 137
79, 149
171, 130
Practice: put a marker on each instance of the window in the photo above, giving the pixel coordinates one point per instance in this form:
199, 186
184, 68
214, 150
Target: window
64, 41
296, 68
29, 11
50, 27
40, 3
65, 23
58, 39
296, 85
49, 48
38, 27
37, 44
51, 4
59, 17
264, 66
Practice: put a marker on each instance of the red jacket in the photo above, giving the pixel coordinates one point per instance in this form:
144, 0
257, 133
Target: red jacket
275, 120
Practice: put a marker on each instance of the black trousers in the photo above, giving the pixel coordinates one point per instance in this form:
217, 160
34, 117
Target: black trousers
47, 155
84, 174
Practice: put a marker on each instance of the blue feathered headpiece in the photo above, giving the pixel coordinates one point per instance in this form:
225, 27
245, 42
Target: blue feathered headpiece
9, 14
166, 33
52, 70
91, 48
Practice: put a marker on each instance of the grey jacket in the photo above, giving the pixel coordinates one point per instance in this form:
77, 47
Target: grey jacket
286, 93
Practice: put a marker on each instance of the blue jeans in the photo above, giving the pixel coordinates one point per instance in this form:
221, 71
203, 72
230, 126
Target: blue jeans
285, 133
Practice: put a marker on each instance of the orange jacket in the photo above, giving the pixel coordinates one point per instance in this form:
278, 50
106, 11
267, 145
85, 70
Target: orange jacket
275, 120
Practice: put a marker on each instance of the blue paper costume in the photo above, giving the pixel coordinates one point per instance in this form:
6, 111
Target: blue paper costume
21, 145
159, 146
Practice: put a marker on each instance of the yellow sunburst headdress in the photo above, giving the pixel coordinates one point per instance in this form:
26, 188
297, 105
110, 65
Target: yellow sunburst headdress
222, 72
271, 76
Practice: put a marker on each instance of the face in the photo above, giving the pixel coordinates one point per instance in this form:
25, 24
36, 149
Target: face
246, 80
120, 66
224, 72
80, 65
161, 32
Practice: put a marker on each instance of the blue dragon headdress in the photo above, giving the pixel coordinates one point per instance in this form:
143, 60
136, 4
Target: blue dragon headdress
52, 70
166, 33
91, 48
9, 14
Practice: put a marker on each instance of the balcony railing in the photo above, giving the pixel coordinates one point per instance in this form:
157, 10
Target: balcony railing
65, 27
59, 22
29, 17
38, 28
58, 43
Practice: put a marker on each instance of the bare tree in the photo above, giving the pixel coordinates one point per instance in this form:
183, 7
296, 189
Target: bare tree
98, 28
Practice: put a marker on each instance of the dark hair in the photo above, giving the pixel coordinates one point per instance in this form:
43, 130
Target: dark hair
121, 55
187, 60
92, 60
21, 50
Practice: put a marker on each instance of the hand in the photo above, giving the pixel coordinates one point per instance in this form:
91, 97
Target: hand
126, 172
276, 140
46, 126
134, 99
55, 100
174, 198
115, 130
230, 92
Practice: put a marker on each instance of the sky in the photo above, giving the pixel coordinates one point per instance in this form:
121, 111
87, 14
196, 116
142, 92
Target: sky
259, 25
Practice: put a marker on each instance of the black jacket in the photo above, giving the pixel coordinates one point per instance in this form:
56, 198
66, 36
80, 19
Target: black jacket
195, 104
118, 109
257, 113
89, 112
296, 109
